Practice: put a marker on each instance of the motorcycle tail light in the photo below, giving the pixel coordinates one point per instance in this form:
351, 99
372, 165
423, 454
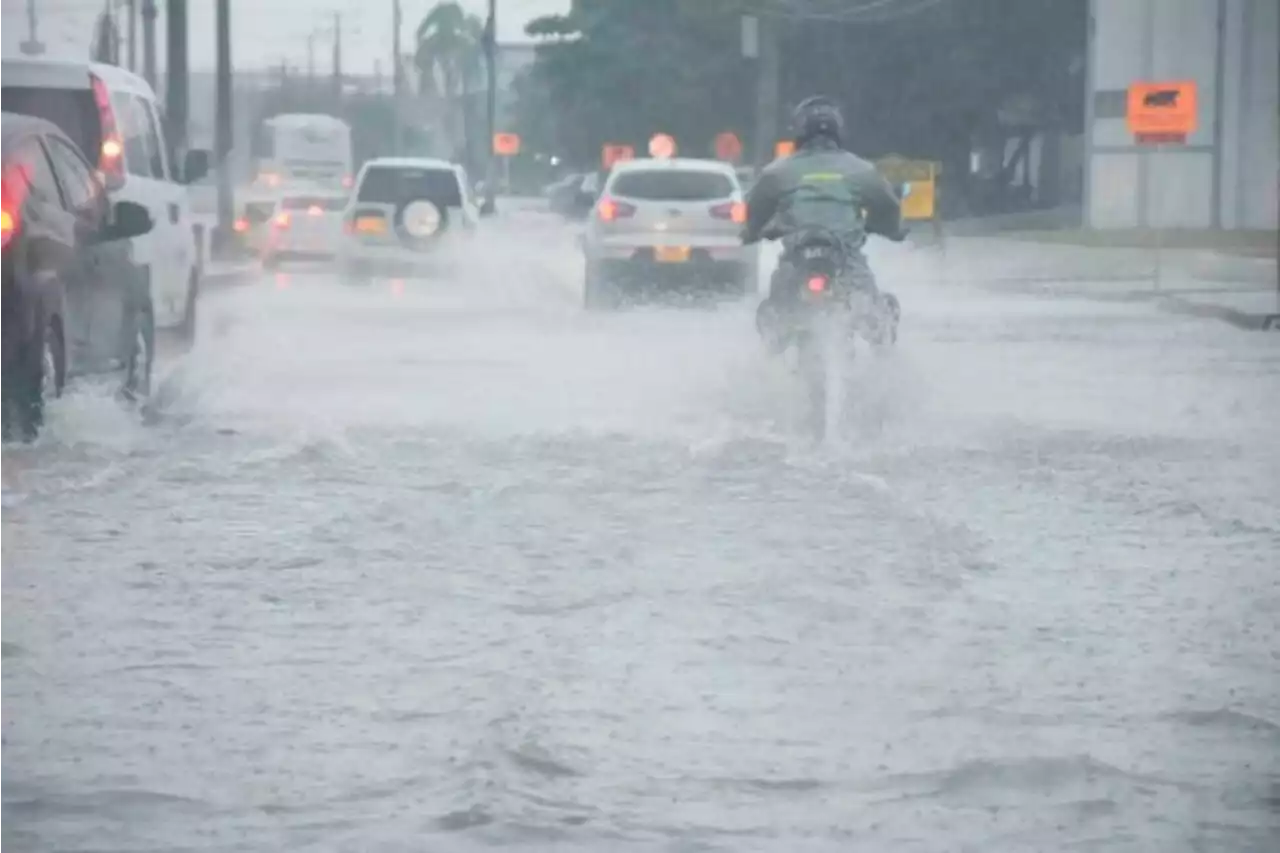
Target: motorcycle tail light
817, 283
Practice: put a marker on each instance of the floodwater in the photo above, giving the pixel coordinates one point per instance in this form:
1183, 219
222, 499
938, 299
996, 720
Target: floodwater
446, 565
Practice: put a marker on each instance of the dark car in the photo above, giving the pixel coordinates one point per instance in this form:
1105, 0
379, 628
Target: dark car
74, 302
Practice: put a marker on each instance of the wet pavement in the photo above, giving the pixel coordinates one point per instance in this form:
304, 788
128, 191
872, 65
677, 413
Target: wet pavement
453, 564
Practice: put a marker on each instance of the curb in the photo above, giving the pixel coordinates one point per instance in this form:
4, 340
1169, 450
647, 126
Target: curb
1248, 321
230, 276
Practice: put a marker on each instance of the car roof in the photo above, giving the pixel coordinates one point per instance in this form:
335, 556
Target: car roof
675, 164
15, 124
12, 123
70, 74
287, 119
411, 163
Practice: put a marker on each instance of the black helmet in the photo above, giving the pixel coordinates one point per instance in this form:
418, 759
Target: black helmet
817, 116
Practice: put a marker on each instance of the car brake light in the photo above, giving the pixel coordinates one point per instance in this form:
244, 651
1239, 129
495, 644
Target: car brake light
818, 283
734, 211
282, 220
241, 224
7, 225
111, 152
611, 209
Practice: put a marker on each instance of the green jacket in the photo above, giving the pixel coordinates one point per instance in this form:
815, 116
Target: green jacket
822, 185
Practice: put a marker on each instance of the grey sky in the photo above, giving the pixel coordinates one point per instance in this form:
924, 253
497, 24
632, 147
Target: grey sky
272, 31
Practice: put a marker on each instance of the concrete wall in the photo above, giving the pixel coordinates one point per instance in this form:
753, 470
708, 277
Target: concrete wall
1227, 173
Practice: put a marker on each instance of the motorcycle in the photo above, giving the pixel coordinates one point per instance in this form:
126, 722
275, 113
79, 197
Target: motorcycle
829, 302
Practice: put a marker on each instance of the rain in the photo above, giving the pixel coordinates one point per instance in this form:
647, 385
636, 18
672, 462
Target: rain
449, 560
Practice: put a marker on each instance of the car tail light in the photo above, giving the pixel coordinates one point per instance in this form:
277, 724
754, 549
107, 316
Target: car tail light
817, 283
8, 224
281, 220
610, 209
111, 155
241, 225
734, 211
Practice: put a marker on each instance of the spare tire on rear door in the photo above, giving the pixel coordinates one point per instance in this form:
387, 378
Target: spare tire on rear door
420, 222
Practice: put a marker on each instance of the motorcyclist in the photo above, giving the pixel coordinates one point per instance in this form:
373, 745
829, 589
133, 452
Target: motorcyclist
821, 186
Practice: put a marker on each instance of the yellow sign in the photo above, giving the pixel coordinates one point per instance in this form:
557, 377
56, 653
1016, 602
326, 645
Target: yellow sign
921, 177
921, 202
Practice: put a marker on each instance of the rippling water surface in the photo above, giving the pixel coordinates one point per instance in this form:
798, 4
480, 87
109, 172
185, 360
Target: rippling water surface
464, 566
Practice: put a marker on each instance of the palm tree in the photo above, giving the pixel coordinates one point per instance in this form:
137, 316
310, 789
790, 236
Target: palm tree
449, 60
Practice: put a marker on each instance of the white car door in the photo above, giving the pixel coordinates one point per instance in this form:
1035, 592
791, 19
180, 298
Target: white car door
148, 184
179, 246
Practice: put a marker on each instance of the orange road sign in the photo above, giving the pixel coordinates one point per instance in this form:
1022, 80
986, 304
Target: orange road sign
1162, 111
614, 153
506, 144
728, 146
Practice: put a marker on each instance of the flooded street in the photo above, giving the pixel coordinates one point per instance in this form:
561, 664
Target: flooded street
457, 565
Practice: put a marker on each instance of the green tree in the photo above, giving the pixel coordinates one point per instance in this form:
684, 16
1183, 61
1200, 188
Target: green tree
621, 71
449, 60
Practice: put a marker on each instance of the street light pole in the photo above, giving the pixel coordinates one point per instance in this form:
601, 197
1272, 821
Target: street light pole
223, 129
491, 60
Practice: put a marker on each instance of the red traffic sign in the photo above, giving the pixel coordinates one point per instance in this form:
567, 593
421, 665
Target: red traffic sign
506, 144
728, 146
614, 153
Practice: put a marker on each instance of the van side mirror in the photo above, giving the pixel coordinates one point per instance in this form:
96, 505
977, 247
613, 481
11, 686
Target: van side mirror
128, 219
195, 166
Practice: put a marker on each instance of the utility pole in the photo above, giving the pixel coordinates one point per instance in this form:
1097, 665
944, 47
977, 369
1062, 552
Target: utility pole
133, 34
760, 42
223, 130
337, 59
491, 63
311, 61
149, 42
176, 77
32, 46
397, 78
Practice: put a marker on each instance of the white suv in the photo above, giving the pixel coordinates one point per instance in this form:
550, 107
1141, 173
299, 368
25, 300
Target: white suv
402, 211
113, 117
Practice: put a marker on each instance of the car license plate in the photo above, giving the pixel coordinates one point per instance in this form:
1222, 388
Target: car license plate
671, 254
371, 225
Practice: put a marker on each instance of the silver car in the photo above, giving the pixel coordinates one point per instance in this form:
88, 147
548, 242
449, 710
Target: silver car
667, 222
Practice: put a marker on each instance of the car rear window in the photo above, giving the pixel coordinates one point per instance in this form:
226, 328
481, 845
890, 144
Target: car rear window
309, 201
257, 212
672, 185
396, 185
72, 110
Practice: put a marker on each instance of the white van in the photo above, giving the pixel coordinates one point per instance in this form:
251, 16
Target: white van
115, 119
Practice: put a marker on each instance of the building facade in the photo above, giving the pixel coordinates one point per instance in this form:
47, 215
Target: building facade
1227, 173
